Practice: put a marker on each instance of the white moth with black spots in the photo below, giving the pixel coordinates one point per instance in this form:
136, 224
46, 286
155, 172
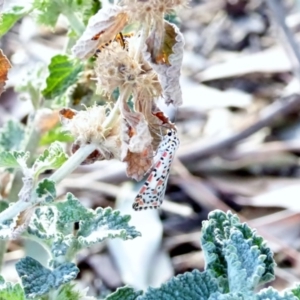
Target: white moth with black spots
152, 193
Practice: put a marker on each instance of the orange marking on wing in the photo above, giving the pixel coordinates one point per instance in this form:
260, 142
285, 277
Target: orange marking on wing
150, 177
160, 182
96, 37
143, 189
157, 165
139, 201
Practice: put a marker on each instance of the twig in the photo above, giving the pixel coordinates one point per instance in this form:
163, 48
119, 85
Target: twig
199, 150
277, 10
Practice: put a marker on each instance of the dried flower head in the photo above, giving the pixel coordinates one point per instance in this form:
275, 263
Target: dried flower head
115, 68
143, 67
148, 10
87, 128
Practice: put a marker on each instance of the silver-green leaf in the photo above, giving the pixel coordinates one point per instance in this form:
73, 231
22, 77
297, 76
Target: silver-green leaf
38, 280
104, 224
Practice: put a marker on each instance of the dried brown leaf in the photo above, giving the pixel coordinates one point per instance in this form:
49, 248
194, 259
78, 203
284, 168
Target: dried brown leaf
165, 53
101, 29
46, 119
157, 121
140, 137
136, 148
139, 163
4, 67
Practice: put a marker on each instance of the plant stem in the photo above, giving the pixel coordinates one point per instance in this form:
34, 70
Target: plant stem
68, 167
144, 33
72, 163
75, 23
114, 114
3, 246
30, 144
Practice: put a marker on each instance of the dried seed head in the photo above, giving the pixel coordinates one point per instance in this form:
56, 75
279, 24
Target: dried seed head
148, 83
147, 10
87, 128
115, 68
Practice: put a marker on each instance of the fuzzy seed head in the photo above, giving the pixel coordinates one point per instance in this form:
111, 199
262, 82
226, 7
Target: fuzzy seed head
87, 128
149, 83
147, 10
115, 68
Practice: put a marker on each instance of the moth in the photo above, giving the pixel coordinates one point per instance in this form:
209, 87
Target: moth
152, 193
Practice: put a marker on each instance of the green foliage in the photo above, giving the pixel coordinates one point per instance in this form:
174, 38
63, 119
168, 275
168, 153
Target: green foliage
46, 190
6, 228
173, 18
9, 291
194, 285
38, 280
71, 210
47, 11
237, 262
32, 83
125, 293
51, 223
227, 246
53, 226
104, 224
52, 158
42, 224
64, 72
271, 293
68, 292
13, 159
296, 291
87, 8
10, 17
55, 135
11, 136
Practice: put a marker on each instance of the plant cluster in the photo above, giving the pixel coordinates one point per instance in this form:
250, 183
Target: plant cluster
118, 60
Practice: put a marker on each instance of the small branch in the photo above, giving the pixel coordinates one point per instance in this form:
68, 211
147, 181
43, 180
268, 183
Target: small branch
75, 23
3, 248
268, 116
277, 10
142, 41
69, 166
72, 163
114, 114
14, 210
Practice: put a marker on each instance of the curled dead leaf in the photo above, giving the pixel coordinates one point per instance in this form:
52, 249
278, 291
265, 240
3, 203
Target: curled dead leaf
138, 163
4, 67
101, 29
165, 54
157, 121
46, 119
139, 137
